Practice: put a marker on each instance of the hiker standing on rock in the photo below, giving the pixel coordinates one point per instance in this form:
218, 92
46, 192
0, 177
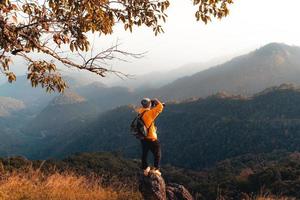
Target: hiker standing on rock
146, 132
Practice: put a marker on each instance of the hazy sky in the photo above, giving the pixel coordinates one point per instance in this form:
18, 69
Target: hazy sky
251, 24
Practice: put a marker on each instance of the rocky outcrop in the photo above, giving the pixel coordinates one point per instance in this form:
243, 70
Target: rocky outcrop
153, 187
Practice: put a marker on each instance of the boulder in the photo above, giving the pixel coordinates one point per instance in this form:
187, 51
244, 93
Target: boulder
153, 187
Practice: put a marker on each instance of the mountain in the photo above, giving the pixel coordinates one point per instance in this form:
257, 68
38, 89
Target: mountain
62, 109
158, 79
22, 90
105, 98
12, 117
267, 66
194, 134
9, 105
273, 64
69, 124
67, 98
36, 97
81, 104
270, 65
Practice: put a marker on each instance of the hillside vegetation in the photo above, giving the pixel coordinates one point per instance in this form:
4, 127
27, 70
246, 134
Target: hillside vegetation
194, 134
61, 110
249, 177
270, 65
35, 185
48, 114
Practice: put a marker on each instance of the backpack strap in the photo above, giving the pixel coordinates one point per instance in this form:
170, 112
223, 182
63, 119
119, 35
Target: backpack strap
141, 116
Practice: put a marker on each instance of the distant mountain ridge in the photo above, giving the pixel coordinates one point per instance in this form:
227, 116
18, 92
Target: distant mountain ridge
270, 65
8, 105
62, 109
67, 98
194, 134
157, 79
213, 104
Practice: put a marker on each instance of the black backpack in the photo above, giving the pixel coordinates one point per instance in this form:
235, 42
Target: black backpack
138, 127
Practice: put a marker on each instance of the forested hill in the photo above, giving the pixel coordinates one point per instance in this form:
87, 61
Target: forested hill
62, 109
193, 134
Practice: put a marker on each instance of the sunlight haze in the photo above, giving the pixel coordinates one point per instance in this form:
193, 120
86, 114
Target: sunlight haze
250, 25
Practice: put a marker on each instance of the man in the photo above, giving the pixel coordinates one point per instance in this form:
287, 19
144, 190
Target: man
150, 110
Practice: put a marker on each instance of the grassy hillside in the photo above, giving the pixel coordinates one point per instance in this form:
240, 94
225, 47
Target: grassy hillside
263, 176
35, 185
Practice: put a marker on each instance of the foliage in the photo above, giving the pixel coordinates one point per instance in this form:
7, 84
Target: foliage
51, 27
215, 8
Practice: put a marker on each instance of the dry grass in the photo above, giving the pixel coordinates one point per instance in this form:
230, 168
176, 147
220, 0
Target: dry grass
267, 197
274, 198
34, 185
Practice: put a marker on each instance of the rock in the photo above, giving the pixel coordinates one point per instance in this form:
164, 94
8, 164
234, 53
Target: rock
152, 187
178, 192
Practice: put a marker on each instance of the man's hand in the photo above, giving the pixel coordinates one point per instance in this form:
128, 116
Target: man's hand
155, 102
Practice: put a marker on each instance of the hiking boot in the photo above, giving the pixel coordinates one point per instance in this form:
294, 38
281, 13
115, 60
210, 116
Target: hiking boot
146, 171
157, 172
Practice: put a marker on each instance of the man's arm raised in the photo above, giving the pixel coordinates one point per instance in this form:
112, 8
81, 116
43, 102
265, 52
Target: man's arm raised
154, 112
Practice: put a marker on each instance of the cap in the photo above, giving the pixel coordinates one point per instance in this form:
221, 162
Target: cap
146, 102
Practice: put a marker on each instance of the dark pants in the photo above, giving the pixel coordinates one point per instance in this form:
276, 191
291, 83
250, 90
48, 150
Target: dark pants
154, 147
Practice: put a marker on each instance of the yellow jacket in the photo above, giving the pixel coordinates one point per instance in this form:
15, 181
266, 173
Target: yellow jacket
149, 117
